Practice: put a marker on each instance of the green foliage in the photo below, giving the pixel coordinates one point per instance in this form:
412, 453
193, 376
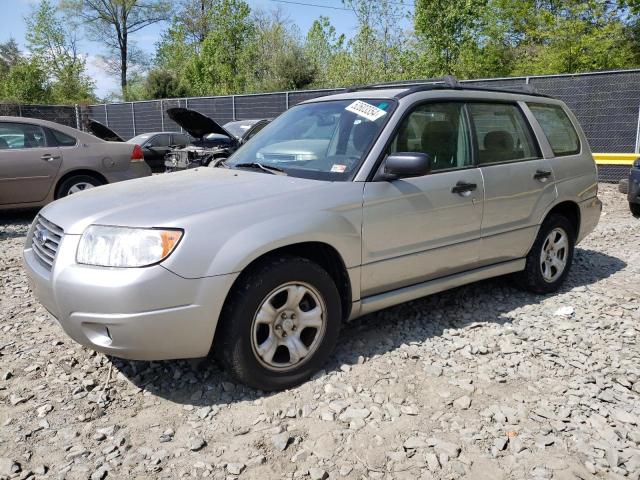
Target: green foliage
25, 82
163, 84
9, 55
53, 47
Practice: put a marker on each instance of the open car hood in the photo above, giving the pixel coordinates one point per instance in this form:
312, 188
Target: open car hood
194, 123
102, 131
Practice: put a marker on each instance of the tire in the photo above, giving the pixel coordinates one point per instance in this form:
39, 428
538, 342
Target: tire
539, 278
77, 183
623, 186
635, 209
261, 323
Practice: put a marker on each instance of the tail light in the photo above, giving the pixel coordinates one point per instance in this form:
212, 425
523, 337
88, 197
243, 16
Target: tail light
137, 155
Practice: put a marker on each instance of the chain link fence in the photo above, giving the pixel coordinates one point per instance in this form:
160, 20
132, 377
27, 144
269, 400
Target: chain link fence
606, 104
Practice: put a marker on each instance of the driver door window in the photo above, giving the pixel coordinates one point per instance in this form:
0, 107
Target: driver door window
439, 130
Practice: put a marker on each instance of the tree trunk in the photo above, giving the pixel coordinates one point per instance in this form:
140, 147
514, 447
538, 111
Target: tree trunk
123, 67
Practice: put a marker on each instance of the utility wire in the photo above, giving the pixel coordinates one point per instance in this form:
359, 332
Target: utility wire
331, 7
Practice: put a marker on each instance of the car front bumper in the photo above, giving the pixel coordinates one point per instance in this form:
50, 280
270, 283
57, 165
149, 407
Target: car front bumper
136, 313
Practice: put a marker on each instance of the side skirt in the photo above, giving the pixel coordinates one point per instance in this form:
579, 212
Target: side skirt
406, 294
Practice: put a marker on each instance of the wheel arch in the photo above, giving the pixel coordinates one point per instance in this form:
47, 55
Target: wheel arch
570, 210
318, 252
79, 171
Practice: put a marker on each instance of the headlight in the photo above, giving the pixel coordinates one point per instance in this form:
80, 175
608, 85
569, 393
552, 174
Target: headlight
125, 247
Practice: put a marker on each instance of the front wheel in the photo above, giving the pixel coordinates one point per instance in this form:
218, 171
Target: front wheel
635, 209
550, 257
280, 324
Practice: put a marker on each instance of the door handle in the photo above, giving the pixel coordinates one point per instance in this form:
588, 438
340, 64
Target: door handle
464, 188
47, 157
542, 175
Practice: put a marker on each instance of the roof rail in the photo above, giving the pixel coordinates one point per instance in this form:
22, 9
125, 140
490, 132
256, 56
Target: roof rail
446, 82
449, 80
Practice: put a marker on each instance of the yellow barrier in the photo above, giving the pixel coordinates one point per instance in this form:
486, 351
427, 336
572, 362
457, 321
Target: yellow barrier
615, 158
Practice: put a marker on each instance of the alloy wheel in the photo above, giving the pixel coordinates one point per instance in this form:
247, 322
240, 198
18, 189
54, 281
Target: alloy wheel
289, 326
554, 254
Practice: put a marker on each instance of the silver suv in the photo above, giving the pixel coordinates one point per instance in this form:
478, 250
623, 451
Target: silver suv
342, 206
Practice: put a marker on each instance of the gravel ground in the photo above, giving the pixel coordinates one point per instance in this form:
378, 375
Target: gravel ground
483, 382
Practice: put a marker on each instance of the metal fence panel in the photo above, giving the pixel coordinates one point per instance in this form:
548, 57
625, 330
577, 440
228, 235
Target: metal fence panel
260, 106
96, 112
218, 108
10, 110
170, 125
606, 106
148, 116
301, 96
121, 119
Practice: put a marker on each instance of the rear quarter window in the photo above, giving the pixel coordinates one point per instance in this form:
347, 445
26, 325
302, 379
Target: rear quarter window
62, 139
558, 128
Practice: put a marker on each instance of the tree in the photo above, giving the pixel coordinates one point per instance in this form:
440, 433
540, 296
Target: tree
445, 29
9, 55
163, 84
54, 47
25, 82
275, 58
217, 68
113, 21
322, 47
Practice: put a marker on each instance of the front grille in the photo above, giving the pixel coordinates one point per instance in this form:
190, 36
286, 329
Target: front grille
45, 241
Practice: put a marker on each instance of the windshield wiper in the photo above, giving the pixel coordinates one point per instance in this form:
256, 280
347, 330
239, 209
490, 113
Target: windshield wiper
259, 166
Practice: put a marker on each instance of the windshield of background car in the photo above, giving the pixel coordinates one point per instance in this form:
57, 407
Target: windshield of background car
140, 139
323, 140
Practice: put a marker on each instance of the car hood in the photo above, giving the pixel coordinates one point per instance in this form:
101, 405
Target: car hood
102, 131
195, 123
170, 200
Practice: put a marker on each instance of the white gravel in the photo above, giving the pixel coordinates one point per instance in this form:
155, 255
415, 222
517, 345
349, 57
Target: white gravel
483, 382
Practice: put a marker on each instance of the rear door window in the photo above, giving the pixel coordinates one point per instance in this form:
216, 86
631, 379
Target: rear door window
502, 133
558, 128
21, 135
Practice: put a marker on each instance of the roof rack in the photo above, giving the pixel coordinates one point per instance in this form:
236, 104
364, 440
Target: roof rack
448, 82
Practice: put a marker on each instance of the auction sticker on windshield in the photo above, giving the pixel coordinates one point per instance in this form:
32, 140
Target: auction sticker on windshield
366, 110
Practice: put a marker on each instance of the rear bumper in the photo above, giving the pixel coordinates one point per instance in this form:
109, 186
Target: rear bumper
135, 170
136, 313
590, 211
633, 194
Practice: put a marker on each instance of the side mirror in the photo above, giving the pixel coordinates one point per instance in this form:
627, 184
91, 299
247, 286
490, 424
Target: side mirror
407, 164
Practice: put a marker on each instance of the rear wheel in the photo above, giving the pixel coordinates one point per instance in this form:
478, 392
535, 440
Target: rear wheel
550, 257
76, 184
635, 209
280, 324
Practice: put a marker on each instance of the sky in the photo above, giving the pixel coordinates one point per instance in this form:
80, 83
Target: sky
13, 12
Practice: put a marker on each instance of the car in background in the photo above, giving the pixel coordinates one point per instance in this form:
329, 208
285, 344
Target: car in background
212, 142
41, 161
631, 188
155, 145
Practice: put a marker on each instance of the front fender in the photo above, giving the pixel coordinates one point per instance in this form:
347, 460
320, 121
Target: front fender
256, 240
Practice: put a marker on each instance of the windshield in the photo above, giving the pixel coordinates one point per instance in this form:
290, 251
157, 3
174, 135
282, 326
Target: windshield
239, 128
323, 140
140, 139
